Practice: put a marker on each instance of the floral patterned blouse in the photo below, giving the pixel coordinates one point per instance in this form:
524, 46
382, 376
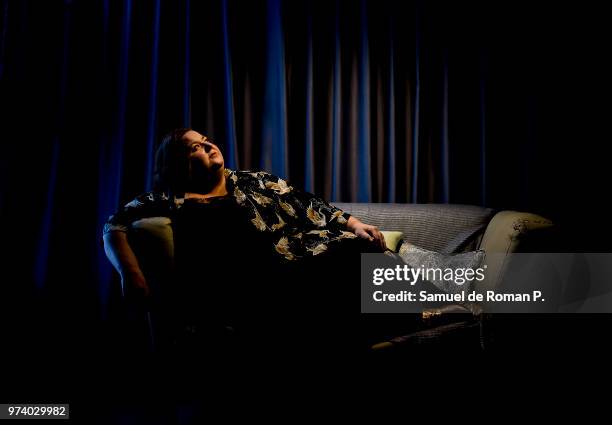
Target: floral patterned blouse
299, 223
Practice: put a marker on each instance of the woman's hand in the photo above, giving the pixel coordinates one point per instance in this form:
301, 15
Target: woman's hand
134, 284
366, 231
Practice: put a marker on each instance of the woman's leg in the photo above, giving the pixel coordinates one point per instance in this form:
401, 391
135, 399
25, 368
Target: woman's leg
335, 278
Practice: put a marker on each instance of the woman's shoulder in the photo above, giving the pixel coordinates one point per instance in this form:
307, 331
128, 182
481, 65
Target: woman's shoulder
255, 174
148, 197
251, 173
261, 180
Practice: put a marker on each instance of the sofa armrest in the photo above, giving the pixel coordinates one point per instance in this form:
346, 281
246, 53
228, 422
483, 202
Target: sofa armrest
508, 229
152, 240
509, 232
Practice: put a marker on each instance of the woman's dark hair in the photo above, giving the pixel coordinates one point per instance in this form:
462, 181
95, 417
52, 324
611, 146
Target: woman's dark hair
172, 168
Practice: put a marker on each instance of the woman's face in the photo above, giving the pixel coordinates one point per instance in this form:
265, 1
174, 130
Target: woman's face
204, 155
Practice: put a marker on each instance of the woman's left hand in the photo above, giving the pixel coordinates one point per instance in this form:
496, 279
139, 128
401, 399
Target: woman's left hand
367, 231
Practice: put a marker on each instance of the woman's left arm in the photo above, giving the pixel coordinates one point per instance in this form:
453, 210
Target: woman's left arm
317, 206
366, 231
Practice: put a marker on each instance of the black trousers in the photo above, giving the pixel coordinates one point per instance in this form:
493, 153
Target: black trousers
317, 306
310, 306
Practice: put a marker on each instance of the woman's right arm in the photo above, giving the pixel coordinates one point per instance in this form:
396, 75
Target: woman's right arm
123, 259
116, 245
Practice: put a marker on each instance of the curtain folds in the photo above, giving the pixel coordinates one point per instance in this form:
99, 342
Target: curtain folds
357, 101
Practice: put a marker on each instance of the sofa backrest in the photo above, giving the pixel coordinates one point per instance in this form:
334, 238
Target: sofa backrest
438, 227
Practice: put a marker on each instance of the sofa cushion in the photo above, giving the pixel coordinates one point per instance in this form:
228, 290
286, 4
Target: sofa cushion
392, 239
417, 257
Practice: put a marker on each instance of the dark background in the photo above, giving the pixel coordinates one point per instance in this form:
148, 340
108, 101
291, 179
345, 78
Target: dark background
525, 87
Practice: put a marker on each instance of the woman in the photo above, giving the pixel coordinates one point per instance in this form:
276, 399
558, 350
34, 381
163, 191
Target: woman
284, 234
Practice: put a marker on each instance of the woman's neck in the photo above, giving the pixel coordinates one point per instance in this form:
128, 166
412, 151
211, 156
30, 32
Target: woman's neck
213, 188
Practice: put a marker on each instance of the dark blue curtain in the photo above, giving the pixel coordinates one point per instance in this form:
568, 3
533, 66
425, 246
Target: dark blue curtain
364, 101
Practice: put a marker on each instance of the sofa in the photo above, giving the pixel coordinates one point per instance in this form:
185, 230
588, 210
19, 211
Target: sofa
451, 229
444, 228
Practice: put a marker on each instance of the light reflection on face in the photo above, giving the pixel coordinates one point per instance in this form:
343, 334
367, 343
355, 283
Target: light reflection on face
204, 155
